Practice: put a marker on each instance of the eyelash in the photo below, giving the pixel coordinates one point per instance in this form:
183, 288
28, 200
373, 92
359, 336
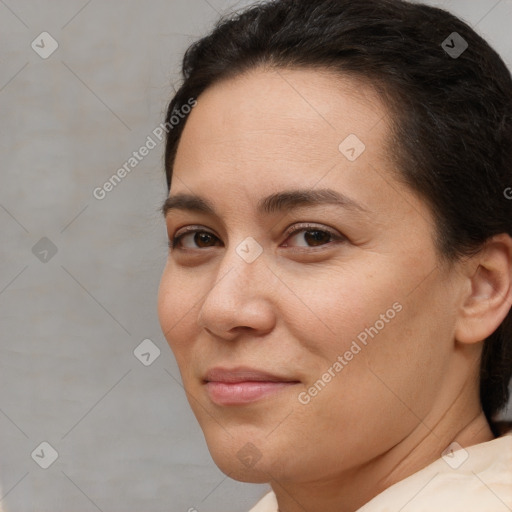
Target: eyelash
335, 237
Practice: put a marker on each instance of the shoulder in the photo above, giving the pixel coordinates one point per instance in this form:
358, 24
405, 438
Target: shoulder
267, 504
473, 479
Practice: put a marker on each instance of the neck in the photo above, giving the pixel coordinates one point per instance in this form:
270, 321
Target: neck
356, 486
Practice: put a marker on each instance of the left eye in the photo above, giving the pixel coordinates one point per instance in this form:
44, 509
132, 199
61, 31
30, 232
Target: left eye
311, 236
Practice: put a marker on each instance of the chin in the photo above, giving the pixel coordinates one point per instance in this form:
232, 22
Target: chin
254, 472
242, 456
249, 476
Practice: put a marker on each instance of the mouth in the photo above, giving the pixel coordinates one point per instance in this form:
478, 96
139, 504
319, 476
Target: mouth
242, 385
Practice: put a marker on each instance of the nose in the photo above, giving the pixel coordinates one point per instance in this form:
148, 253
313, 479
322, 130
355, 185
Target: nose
241, 298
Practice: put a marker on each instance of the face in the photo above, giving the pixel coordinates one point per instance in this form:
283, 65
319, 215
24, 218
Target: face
306, 326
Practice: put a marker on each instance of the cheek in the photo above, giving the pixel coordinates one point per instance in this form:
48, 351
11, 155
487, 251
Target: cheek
390, 368
373, 328
176, 301
337, 304
394, 346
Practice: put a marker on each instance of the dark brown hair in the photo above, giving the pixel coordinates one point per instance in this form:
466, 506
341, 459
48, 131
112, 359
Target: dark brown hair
452, 114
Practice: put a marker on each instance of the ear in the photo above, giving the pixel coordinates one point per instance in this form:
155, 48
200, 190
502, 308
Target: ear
489, 296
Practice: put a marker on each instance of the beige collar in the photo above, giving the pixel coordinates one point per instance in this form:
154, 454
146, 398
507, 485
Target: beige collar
474, 479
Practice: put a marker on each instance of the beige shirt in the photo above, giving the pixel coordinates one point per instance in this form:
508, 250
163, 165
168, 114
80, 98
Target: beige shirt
474, 479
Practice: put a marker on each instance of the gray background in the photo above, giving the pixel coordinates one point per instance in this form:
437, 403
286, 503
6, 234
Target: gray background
125, 437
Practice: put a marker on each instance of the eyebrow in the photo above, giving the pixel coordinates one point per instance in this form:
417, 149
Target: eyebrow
278, 202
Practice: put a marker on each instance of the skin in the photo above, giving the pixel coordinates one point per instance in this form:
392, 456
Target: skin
413, 389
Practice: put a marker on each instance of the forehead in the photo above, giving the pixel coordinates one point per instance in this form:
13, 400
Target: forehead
310, 106
280, 128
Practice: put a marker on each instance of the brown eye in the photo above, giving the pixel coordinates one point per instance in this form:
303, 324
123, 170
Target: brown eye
203, 239
317, 237
311, 236
193, 239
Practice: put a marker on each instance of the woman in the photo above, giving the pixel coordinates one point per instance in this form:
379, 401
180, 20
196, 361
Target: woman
338, 287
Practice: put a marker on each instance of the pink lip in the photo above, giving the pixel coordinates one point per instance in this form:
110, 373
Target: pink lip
242, 385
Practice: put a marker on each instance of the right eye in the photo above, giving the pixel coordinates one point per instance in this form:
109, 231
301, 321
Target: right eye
198, 238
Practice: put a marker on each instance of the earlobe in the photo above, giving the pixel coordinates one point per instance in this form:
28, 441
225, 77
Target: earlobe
489, 298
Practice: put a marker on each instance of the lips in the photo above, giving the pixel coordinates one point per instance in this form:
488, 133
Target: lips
242, 385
